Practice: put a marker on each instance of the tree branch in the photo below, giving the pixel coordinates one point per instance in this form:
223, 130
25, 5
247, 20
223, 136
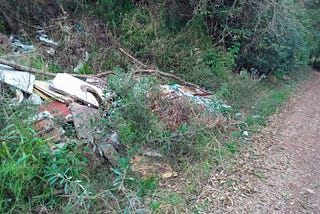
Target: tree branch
180, 80
37, 71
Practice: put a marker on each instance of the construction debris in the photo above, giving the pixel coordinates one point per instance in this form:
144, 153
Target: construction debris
42, 88
68, 85
76, 98
46, 127
84, 120
57, 110
18, 79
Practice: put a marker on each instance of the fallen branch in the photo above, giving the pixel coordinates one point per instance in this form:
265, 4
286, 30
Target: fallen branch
37, 71
160, 73
131, 57
180, 80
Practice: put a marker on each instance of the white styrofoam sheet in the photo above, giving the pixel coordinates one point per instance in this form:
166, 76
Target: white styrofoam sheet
18, 79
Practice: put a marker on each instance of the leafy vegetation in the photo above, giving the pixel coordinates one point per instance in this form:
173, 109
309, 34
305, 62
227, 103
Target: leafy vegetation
241, 50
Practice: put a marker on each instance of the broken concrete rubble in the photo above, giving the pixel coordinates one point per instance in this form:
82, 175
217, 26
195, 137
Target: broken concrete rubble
47, 128
84, 120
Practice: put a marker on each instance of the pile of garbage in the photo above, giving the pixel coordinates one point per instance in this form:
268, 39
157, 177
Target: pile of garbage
76, 99
64, 98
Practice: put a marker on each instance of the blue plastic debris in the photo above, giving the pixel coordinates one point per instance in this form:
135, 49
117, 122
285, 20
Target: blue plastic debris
210, 102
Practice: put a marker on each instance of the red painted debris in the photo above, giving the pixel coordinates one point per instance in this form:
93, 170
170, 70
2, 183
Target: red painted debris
57, 109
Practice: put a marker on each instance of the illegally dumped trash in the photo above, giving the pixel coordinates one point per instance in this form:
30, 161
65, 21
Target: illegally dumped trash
19, 46
178, 105
42, 88
44, 38
68, 100
57, 109
75, 99
84, 119
18, 79
198, 96
68, 85
149, 167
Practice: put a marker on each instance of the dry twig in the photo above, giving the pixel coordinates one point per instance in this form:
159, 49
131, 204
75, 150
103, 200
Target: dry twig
164, 74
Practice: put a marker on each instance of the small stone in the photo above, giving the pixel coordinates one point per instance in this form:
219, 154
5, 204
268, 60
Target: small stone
110, 153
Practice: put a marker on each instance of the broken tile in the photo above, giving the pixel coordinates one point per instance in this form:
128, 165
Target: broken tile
57, 109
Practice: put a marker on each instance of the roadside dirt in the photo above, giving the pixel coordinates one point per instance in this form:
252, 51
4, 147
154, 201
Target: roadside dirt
290, 156
278, 173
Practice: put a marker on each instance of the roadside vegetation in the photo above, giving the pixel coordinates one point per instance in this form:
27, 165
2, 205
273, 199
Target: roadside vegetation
250, 54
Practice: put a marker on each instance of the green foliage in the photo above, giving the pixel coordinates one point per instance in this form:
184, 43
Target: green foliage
241, 91
232, 147
112, 11
30, 174
146, 185
120, 182
270, 104
154, 206
311, 21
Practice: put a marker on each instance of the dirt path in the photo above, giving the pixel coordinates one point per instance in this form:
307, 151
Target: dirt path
290, 162
278, 173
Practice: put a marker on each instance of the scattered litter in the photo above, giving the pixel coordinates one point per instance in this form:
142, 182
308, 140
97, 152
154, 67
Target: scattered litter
35, 99
18, 98
237, 115
256, 116
68, 85
78, 68
56, 147
19, 46
5, 67
18, 79
245, 133
51, 51
84, 119
44, 38
198, 96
